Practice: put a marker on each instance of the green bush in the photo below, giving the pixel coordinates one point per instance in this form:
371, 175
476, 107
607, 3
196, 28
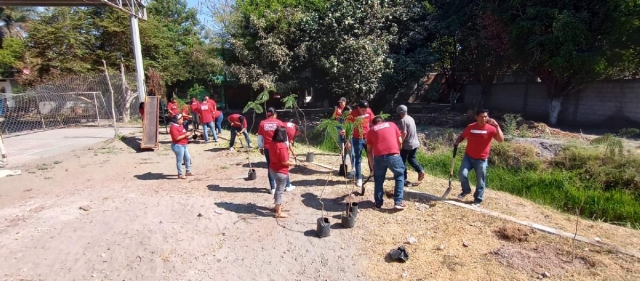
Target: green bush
511, 123
514, 156
562, 185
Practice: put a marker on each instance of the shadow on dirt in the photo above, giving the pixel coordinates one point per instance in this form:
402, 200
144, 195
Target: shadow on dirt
229, 189
247, 209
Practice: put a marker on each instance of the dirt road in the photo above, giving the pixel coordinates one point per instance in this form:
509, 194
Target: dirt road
109, 212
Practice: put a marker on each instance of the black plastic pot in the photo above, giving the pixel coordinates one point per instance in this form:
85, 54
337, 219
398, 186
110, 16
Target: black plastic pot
353, 209
310, 156
348, 222
343, 170
324, 227
252, 174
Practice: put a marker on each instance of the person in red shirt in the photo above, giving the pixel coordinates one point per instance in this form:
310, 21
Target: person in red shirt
186, 117
206, 113
362, 118
172, 107
218, 117
266, 129
478, 135
383, 150
195, 105
279, 164
337, 112
179, 141
238, 126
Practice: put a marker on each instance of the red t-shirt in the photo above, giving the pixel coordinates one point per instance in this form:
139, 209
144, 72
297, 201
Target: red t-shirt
291, 131
185, 113
278, 153
212, 103
479, 140
176, 131
195, 106
217, 114
206, 113
234, 119
383, 137
367, 117
142, 113
267, 128
173, 108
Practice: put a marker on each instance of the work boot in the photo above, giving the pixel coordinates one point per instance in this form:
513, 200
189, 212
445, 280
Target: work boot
279, 213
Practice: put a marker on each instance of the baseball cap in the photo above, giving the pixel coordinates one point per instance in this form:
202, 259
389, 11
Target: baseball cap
342, 99
363, 104
402, 109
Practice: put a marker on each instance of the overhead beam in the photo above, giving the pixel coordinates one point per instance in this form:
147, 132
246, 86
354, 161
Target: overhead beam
136, 8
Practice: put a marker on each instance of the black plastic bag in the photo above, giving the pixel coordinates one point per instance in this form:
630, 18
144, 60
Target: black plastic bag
400, 254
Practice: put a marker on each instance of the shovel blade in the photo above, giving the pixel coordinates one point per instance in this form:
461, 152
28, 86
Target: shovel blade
446, 192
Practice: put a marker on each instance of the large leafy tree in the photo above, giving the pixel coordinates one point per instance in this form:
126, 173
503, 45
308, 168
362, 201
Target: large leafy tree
570, 43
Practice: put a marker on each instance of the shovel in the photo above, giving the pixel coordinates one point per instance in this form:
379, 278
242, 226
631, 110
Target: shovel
453, 163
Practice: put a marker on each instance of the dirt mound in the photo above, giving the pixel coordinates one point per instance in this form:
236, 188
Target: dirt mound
514, 233
539, 260
538, 129
544, 148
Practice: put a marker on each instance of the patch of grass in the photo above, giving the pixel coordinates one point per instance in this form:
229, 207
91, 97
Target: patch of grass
560, 188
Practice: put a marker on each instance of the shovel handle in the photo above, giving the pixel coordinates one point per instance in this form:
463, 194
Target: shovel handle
453, 160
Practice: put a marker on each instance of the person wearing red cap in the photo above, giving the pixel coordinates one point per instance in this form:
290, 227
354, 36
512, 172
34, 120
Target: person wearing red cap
362, 118
238, 126
383, 150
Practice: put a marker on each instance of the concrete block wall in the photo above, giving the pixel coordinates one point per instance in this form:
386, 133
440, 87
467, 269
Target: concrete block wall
596, 104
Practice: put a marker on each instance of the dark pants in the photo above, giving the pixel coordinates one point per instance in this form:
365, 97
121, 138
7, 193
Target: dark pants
185, 124
272, 181
410, 154
234, 131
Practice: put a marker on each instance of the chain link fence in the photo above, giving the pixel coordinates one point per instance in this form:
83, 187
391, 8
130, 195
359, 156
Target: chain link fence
70, 101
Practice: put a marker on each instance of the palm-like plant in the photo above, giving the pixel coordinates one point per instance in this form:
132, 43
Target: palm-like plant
257, 106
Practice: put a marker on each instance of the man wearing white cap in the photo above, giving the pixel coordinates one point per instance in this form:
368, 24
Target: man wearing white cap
410, 144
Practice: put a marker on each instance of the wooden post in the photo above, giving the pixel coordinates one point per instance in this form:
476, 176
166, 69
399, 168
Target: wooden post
113, 114
95, 102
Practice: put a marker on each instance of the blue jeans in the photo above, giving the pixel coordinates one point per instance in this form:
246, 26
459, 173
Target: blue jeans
195, 120
182, 153
219, 123
480, 166
234, 131
213, 130
410, 155
272, 181
380, 166
185, 124
357, 145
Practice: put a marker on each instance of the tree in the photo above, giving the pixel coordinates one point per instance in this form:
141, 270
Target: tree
570, 43
349, 45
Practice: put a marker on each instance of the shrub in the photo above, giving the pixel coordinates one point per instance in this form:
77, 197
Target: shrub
515, 156
511, 123
628, 132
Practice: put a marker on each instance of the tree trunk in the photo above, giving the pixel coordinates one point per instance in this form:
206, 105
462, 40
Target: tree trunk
555, 104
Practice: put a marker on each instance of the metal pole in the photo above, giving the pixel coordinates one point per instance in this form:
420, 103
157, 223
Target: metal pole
137, 52
95, 100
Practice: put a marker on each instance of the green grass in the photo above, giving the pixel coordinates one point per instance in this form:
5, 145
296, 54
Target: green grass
561, 189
